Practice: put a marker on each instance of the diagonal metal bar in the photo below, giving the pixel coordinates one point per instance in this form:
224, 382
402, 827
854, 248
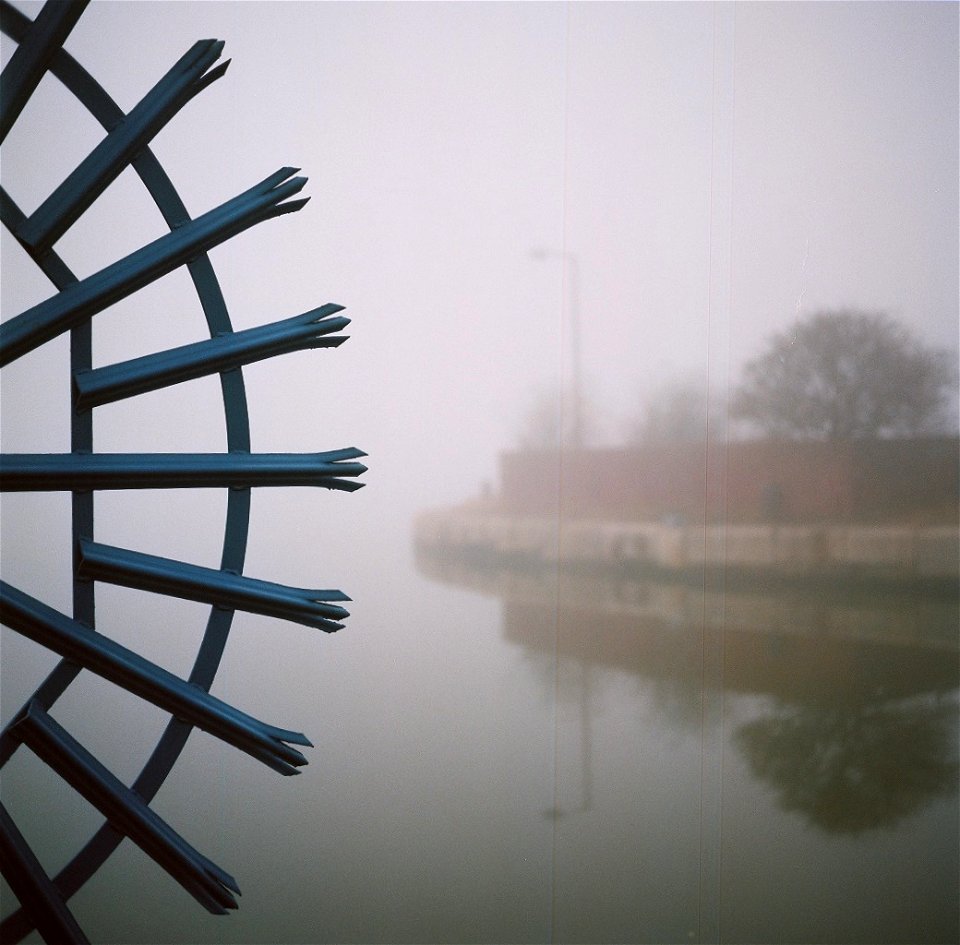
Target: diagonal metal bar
38, 896
86, 298
125, 810
31, 60
190, 581
41, 472
117, 664
124, 142
223, 353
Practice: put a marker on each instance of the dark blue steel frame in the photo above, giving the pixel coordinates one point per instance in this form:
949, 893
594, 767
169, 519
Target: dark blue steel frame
43, 899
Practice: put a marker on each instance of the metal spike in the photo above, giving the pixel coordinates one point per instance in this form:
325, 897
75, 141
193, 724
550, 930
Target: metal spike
124, 142
190, 581
86, 298
121, 666
223, 353
38, 472
125, 810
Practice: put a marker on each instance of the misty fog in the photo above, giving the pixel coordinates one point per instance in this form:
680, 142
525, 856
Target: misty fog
513, 201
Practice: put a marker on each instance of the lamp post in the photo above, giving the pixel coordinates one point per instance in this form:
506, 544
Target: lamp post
571, 282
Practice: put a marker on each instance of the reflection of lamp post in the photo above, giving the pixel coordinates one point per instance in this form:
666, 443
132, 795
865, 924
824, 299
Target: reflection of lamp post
586, 750
571, 280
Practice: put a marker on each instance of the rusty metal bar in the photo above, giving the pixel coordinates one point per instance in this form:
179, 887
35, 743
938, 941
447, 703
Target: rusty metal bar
124, 142
125, 810
223, 353
78, 302
121, 666
42, 472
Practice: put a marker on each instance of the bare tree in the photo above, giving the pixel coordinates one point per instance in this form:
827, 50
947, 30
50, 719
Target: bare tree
842, 375
549, 422
541, 425
676, 413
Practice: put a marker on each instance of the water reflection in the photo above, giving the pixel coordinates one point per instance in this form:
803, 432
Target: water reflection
853, 711
854, 766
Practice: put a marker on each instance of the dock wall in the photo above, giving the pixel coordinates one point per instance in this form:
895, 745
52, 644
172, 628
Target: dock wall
798, 551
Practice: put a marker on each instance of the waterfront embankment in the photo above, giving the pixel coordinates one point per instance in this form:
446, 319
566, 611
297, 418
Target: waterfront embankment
886, 553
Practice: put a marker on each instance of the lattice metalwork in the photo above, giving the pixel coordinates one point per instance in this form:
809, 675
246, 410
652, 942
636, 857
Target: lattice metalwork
82, 472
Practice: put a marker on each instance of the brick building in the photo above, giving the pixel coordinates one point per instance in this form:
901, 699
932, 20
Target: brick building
805, 482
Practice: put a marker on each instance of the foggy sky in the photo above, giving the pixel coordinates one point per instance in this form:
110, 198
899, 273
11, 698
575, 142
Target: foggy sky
717, 170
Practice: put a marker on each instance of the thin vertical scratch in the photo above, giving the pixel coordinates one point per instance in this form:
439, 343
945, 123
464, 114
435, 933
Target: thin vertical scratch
560, 478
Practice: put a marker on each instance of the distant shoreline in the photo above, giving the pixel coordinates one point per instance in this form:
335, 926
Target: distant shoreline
924, 557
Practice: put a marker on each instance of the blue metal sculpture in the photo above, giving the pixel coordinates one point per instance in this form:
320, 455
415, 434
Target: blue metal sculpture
74, 638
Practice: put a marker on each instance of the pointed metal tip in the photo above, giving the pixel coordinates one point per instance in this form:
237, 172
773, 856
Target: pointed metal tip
200, 56
291, 206
296, 738
277, 178
227, 901
225, 879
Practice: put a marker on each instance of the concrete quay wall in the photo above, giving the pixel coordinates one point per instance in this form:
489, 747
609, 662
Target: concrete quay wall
798, 551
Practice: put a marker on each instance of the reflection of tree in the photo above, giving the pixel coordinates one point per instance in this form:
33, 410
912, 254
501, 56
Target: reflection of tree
678, 701
851, 768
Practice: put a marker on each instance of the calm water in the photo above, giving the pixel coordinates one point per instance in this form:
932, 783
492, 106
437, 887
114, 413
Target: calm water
500, 757
741, 767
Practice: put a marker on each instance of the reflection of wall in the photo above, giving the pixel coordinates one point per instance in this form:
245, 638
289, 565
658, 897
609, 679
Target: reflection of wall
765, 480
797, 647
792, 668
855, 727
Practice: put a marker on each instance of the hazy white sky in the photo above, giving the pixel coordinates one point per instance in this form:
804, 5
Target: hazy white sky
715, 169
